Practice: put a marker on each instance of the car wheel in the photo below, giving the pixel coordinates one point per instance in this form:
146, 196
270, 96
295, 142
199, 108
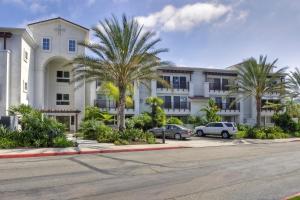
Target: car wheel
225, 135
177, 136
200, 133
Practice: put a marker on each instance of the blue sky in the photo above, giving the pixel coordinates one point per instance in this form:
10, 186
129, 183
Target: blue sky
216, 33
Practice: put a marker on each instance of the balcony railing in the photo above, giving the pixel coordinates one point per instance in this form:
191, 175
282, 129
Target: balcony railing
181, 86
228, 106
218, 87
177, 106
109, 104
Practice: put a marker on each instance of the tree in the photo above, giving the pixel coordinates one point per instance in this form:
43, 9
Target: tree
112, 91
93, 113
125, 54
157, 113
211, 111
256, 78
293, 85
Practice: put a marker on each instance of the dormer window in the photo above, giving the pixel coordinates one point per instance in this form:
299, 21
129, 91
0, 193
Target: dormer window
46, 44
72, 46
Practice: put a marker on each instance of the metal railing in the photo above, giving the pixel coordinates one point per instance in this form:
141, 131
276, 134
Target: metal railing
218, 87
183, 106
228, 106
109, 104
185, 86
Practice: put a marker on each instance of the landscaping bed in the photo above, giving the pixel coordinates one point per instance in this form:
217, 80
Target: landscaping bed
36, 131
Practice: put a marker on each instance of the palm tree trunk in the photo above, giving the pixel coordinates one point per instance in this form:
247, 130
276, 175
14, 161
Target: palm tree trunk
121, 109
258, 111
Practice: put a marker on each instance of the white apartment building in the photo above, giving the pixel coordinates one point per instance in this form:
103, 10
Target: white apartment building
32, 72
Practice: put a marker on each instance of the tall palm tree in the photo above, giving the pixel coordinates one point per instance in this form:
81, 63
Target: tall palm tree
293, 85
257, 78
125, 53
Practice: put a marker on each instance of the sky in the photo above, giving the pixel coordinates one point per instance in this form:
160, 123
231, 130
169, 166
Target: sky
211, 33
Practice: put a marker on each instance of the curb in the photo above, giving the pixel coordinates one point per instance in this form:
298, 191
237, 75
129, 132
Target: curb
31, 155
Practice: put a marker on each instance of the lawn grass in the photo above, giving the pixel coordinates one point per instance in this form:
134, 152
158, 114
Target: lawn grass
294, 198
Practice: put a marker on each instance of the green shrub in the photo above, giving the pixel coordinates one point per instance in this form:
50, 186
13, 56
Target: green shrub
89, 129
263, 133
196, 120
285, 122
243, 127
37, 130
62, 142
6, 143
174, 120
128, 136
142, 121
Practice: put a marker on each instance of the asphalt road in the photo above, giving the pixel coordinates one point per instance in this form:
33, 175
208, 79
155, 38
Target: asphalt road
234, 172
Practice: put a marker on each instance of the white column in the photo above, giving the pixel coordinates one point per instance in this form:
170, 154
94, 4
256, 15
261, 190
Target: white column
40, 89
153, 88
241, 116
206, 89
4, 82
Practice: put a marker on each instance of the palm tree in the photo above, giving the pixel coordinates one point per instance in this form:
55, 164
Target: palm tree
293, 85
157, 114
256, 78
211, 111
125, 54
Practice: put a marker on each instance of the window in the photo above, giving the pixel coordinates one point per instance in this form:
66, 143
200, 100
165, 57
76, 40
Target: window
225, 84
46, 44
72, 45
167, 102
183, 102
218, 101
177, 102
63, 76
183, 84
176, 82
166, 78
25, 56
62, 99
218, 125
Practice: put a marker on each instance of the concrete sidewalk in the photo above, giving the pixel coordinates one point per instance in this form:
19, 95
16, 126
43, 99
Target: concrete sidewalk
90, 147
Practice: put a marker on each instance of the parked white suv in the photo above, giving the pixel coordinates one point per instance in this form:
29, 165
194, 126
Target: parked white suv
224, 129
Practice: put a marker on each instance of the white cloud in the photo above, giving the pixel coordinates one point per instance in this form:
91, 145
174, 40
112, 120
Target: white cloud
90, 2
36, 7
185, 18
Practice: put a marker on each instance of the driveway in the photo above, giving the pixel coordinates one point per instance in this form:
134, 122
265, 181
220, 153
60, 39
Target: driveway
247, 172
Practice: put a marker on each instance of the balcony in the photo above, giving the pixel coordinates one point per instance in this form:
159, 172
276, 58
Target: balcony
111, 106
227, 108
182, 108
180, 88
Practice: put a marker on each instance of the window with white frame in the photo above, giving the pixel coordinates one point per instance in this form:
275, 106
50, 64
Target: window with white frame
72, 45
63, 76
62, 99
46, 44
25, 55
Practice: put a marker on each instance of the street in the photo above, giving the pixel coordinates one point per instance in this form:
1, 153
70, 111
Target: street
261, 171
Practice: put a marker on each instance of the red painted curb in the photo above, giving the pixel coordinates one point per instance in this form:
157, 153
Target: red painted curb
28, 155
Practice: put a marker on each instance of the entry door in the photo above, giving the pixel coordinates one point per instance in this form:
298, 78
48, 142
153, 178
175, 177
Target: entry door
64, 120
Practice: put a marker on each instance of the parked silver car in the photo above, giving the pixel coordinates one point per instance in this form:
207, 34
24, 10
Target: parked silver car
172, 131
